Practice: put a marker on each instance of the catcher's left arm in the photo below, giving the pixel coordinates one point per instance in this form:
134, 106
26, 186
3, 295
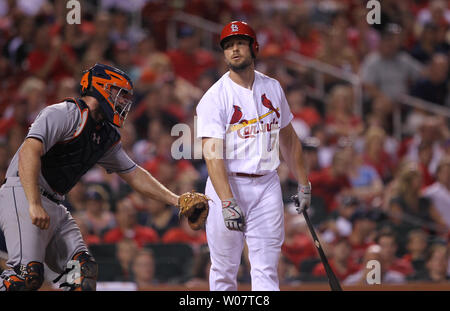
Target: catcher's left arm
192, 205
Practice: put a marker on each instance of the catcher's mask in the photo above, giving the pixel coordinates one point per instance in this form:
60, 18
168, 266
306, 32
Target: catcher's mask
112, 88
238, 28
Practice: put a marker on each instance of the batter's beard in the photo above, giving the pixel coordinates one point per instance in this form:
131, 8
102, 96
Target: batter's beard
241, 67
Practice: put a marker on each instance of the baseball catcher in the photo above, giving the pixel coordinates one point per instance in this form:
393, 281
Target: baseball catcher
63, 143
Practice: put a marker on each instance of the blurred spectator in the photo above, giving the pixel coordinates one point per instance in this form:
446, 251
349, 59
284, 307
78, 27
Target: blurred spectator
100, 46
426, 46
143, 268
310, 147
32, 90
276, 32
408, 209
296, 98
50, 58
436, 265
363, 233
364, 179
375, 154
331, 181
388, 258
337, 52
341, 263
184, 234
389, 71
425, 152
297, 244
128, 228
16, 49
416, 249
189, 60
17, 120
434, 86
287, 272
439, 192
125, 253
363, 38
387, 276
75, 199
200, 270
341, 120
123, 29
430, 129
310, 38
436, 12
340, 222
88, 237
66, 88
159, 217
97, 216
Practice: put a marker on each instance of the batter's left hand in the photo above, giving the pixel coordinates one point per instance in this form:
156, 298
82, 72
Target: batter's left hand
304, 197
233, 215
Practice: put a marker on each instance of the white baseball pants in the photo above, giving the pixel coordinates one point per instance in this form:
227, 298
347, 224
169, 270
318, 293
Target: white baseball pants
261, 201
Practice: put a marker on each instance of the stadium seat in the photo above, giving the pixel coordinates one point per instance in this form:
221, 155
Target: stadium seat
103, 252
173, 261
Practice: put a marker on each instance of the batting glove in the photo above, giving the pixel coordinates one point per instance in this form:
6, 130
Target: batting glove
232, 215
304, 197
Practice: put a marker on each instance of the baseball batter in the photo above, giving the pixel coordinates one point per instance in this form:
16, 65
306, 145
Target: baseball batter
63, 143
243, 119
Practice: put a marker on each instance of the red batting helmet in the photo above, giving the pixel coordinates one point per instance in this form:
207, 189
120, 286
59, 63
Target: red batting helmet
238, 28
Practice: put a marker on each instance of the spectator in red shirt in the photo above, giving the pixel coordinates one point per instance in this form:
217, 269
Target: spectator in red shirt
184, 234
341, 263
340, 119
425, 152
297, 100
188, 60
128, 227
89, 238
50, 57
331, 181
363, 232
389, 259
297, 244
375, 155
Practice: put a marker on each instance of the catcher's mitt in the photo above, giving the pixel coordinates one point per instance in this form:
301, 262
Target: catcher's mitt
194, 206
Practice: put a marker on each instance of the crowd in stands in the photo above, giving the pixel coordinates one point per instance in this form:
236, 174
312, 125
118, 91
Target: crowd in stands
375, 195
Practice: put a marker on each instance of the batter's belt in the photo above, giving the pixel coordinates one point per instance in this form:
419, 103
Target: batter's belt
245, 175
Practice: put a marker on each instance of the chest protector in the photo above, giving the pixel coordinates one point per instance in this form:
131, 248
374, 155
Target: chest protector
66, 162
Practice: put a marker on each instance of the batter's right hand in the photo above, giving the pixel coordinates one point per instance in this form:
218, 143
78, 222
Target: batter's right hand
233, 215
39, 217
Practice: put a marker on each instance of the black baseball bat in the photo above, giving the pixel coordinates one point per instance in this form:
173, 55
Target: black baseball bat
332, 279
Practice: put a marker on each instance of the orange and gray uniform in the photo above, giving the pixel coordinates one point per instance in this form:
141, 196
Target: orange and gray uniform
73, 142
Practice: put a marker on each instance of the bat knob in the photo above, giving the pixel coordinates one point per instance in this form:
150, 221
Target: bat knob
294, 198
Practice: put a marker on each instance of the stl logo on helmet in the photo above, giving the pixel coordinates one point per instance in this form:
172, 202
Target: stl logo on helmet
234, 28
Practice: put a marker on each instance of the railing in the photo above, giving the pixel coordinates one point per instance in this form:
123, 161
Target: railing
320, 69
209, 29
417, 103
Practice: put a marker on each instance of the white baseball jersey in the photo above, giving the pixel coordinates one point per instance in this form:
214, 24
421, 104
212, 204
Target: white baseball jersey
249, 121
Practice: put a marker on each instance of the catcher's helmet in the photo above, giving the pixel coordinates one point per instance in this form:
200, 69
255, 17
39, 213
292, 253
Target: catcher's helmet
112, 88
238, 28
